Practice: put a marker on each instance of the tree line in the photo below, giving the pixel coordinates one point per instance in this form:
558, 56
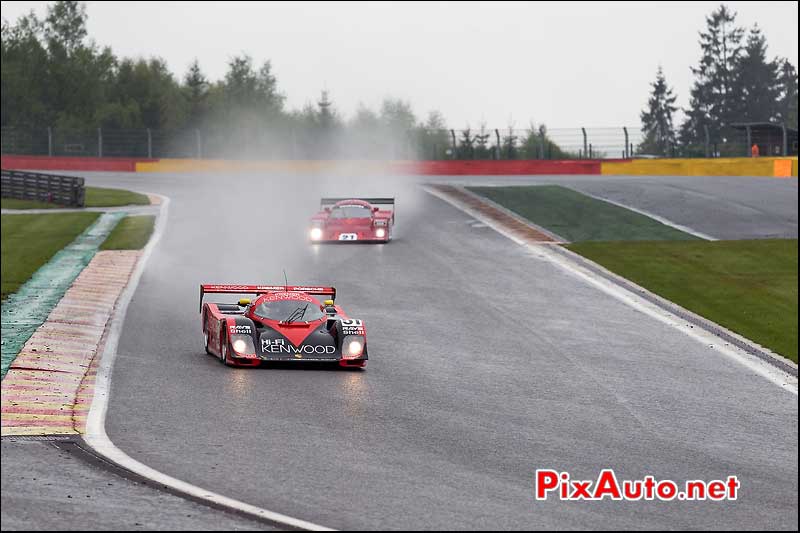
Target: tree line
734, 82
53, 75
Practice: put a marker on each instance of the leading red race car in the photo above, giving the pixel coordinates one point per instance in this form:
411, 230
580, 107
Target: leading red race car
283, 323
353, 220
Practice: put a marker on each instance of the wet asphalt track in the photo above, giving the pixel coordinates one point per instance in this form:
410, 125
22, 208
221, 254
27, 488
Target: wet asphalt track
487, 363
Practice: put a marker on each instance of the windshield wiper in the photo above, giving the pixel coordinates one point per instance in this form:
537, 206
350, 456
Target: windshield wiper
297, 314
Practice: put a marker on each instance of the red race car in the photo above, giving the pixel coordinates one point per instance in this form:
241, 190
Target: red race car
353, 220
282, 323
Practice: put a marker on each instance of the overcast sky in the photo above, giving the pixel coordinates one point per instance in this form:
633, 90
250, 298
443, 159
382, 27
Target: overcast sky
565, 64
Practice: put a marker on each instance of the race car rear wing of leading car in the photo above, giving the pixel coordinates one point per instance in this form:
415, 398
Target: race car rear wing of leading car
326, 202
262, 289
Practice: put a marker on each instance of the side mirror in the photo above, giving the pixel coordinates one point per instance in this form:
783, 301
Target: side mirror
374, 209
327, 209
244, 302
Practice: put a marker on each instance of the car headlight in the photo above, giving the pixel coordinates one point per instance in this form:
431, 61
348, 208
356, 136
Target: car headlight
380, 233
353, 346
316, 234
242, 344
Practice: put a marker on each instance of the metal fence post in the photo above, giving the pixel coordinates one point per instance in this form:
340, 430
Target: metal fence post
749, 141
149, 144
785, 146
708, 140
199, 144
453, 136
49, 141
99, 142
497, 146
585, 145
590, 150
625, 130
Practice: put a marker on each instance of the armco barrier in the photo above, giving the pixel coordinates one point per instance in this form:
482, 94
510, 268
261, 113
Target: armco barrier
32, 162
62, 190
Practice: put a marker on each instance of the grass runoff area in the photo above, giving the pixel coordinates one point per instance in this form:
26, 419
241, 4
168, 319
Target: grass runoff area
132, 233
95, 197
29, 241
577, 217
747, 286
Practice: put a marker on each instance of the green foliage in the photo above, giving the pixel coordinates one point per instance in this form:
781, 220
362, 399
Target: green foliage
787, 105
735, 82
657, 125
537, 145
713, 100
757, 82
54, 76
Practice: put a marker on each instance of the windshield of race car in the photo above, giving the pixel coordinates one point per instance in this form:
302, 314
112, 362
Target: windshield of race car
293, 310
351, 211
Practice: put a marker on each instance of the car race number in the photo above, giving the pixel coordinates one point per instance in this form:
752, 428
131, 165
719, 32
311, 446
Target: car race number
352, 327
348, 237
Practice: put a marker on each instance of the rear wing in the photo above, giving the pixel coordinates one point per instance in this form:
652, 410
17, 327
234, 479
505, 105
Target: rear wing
262, 289
326, 202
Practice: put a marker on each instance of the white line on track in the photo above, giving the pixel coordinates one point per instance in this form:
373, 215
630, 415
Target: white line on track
665, 221
96, 435
778, 377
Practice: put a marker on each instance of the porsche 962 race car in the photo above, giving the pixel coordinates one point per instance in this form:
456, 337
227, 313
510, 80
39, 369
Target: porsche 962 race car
354, 220
282, 323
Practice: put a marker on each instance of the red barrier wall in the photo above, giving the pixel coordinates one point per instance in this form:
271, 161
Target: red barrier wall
429, 168
34, 162
497, 168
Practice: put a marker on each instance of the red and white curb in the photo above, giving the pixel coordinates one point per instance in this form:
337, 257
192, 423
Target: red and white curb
49, 386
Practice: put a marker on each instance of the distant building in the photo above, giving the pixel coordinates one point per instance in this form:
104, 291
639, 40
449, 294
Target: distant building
771, 139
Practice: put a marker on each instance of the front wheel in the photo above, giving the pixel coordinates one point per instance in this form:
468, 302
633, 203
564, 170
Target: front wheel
205, 341
223, 352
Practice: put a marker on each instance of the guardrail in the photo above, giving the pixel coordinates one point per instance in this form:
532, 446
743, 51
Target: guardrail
63, 190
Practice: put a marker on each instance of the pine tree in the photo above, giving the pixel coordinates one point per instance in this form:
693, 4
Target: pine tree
713, 100
482, 143
657, 126
325, 114
196, 93
787, 103
466, 145
326, 122
757, 82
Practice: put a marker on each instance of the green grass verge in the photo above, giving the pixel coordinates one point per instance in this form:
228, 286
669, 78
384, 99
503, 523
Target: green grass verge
749, 287
577, 217
14, 203
95, 197
132, 233
29, 241
101, 197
